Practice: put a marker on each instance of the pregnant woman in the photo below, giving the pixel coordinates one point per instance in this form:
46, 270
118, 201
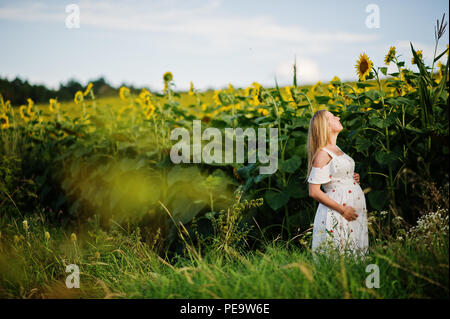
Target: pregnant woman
341, 217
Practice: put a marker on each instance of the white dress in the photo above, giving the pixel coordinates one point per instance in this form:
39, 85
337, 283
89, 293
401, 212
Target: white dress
331, 229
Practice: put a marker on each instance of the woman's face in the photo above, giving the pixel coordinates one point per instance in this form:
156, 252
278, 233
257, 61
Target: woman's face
334, 123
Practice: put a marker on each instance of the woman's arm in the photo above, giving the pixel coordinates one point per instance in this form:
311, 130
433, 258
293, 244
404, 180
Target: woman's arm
346, 211
316, 193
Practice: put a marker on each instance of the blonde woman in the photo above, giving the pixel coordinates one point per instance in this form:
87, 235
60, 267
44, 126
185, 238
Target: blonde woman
341, 217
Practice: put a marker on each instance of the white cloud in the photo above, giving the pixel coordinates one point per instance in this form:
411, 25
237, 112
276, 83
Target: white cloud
204, 20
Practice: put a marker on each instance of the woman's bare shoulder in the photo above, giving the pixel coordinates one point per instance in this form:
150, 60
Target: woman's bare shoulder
322, 158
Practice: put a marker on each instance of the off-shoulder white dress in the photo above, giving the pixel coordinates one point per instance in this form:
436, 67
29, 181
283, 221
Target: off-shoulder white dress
330, 228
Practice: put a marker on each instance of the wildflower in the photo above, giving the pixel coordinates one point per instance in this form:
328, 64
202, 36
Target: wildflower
167, 77
88, 89
73, 237
47, 235
78, 97
4, 121
16, 239
363, 66
191, 89
124, 93
390, 56
97, 255
25, 225
419, 55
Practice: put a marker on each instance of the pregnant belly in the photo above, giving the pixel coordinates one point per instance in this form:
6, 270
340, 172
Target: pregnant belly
348, 193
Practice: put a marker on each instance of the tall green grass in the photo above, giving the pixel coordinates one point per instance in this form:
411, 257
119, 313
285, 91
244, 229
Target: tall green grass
118, 264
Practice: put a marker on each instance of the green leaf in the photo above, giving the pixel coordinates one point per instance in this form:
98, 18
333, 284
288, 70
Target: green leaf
373, 95
362, 85
276, 199
383, 70
377, 199
362, 144
385, 158
296, 189
290, 165
440, 55
322, 99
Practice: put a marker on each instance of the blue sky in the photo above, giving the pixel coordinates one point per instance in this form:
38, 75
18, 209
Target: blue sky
211, 43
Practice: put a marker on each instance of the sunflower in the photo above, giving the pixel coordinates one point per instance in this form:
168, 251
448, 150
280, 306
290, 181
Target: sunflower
124, 93
88, 89
332, 85
78, 97
191, 89
390, 56
363, 66
30, 107
440, 72
315, 86
149, 112
23, 113
263, 112
419, 55
230, 88
4, 121
53, 105
216, 97
167, 77
145, 94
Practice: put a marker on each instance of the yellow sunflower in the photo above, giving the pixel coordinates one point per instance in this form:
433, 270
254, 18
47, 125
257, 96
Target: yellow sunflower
23, 113
149, 112
363, 66
216, 97
191, 89
4, 121
78, 97
88, 89
315, 86
30, 107
53, 105
263, 112
390, 56
167, 77
419, 55
124, 93
144, 94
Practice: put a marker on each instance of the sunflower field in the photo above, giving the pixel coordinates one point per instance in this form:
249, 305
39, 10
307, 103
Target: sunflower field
91, 182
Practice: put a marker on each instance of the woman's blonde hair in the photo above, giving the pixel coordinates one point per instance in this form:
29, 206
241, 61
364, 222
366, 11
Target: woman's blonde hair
318, 135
